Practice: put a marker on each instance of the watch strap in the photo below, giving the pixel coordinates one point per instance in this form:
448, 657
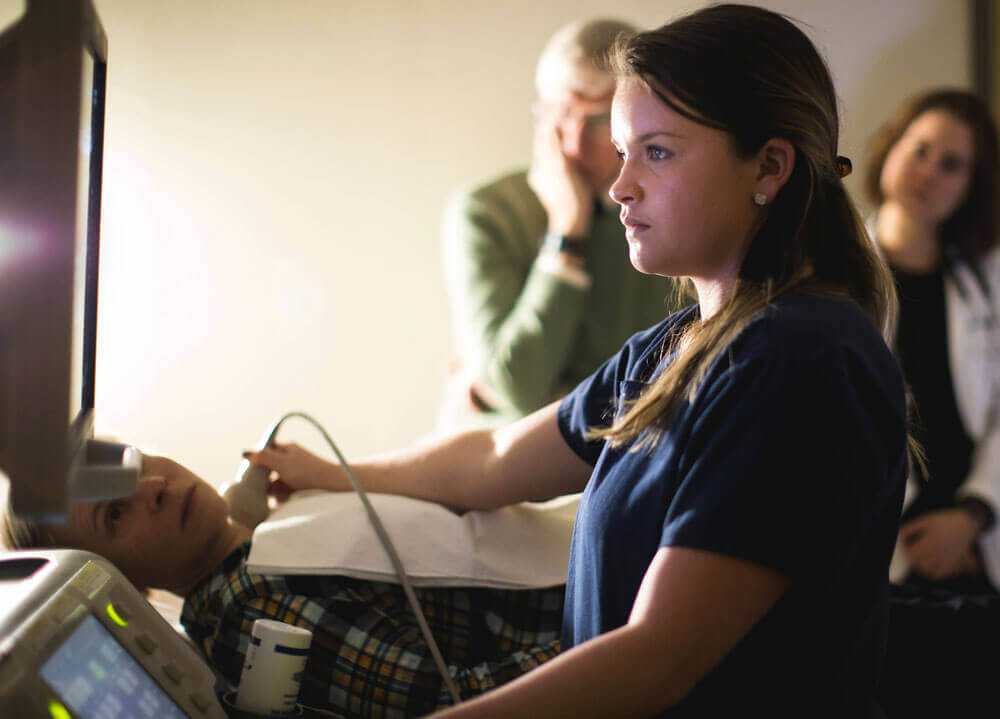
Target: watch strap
574, 246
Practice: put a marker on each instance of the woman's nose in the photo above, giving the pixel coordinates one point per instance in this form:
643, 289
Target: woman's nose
924, 169
624, 190
152, 491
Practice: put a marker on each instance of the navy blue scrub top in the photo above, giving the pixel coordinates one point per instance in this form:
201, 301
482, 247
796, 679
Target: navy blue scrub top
791, 456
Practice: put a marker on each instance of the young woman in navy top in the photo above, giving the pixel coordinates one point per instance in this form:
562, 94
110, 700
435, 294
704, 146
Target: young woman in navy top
742, 463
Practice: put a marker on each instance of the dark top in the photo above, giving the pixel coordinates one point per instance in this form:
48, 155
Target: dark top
792, 456
922, 347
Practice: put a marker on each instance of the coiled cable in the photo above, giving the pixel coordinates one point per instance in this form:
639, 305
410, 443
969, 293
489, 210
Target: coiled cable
387, 545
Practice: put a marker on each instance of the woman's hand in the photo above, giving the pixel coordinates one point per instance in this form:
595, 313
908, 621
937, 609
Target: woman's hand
294, 468
939, 544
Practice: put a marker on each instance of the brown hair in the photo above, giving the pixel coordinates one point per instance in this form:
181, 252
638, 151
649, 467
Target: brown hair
18, 533
972, 227
754, 75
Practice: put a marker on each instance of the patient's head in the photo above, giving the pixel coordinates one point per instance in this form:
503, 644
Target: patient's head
169, 534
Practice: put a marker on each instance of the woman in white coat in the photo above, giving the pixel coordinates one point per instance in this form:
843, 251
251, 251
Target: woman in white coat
933, 174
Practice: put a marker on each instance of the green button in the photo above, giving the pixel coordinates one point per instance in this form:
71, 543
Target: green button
118, 617
58, 711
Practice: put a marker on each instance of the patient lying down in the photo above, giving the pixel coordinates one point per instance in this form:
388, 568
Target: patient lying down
367, 659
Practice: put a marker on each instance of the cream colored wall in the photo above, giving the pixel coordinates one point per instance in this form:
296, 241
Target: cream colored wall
274, 178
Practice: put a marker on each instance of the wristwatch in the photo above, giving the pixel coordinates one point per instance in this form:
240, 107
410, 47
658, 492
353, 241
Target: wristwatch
573, 246
980, 511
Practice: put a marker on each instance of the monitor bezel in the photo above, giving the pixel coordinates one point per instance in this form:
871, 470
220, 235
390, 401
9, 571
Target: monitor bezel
40, 444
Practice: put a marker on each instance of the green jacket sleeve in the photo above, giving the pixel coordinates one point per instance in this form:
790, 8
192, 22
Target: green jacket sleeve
514, 321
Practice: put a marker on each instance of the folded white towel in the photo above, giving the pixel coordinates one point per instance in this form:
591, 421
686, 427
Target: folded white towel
517, 547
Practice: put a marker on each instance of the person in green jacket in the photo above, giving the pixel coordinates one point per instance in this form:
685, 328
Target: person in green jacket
539, 282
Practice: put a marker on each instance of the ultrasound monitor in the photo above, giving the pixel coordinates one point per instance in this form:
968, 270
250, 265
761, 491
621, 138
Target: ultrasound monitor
53, 67
76, 638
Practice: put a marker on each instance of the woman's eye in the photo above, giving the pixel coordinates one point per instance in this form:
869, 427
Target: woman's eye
951, 164
658, 153
920, 150
114, 514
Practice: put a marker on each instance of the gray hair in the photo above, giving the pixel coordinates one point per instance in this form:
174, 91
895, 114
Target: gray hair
586, 43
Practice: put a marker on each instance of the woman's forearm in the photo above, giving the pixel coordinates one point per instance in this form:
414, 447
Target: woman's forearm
482, 469
620, 674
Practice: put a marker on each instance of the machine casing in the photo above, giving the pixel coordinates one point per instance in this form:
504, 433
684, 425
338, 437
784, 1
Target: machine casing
46, 595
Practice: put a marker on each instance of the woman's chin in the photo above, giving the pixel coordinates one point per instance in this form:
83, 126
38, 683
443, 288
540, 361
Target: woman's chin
638, 260
919, 210
646, 266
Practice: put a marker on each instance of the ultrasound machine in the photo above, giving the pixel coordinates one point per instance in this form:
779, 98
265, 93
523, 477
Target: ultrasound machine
76, 638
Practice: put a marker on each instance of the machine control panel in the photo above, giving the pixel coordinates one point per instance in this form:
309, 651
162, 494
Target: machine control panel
78, 640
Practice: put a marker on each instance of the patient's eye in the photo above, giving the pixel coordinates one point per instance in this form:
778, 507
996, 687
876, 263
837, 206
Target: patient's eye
114, 514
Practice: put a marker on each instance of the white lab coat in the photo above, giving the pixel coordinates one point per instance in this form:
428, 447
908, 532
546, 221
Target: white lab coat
974, 355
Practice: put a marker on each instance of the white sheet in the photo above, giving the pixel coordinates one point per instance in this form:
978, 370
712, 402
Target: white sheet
521, 546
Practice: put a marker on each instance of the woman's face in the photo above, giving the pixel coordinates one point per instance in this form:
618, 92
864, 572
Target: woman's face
161, 536
685, 196
929, 169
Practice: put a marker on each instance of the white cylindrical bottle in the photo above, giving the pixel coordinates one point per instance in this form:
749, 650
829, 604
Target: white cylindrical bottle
272, 670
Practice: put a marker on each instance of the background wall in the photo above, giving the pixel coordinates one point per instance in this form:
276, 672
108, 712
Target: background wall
274, 180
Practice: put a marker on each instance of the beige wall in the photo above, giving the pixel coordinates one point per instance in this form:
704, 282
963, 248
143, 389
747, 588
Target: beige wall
274, 179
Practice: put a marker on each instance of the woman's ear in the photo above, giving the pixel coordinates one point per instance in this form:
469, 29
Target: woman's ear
777, 160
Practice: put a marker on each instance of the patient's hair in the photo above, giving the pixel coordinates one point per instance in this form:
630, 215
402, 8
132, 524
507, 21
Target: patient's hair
18, 533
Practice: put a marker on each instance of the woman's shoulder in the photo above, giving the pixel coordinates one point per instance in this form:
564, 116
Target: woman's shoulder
813, 329
990, 261
811, 346
982, 273
509, 194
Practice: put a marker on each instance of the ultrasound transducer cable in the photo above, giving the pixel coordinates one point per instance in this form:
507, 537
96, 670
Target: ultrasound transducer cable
245, 506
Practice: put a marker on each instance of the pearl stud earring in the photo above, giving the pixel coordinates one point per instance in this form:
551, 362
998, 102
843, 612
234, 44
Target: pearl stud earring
759, 199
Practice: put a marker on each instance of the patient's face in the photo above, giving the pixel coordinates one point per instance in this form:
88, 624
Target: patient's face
168, 534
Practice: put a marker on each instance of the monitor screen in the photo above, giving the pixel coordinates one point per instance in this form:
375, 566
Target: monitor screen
53, 70
98, 678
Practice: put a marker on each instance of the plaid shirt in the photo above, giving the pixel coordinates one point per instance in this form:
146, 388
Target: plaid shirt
368, 657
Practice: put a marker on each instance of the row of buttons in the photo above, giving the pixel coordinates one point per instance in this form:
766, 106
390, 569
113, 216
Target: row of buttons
149, 646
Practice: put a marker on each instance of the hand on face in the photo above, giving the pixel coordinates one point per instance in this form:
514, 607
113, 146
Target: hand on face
560, 186
940, 544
